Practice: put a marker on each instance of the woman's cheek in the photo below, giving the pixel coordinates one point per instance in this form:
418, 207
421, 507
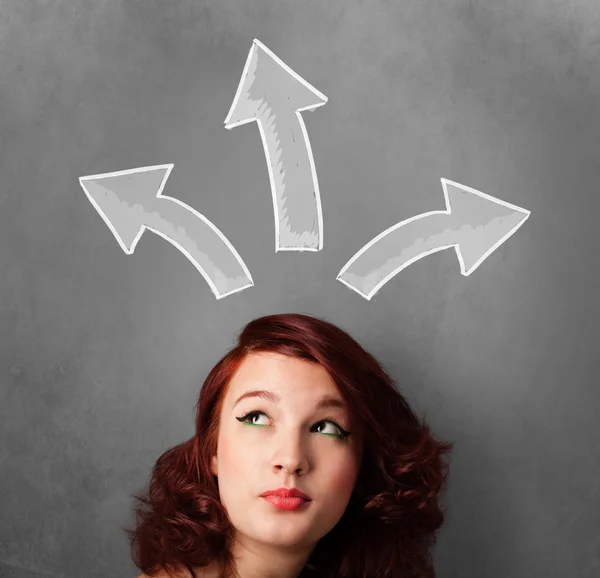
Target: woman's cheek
343, 476
238, 453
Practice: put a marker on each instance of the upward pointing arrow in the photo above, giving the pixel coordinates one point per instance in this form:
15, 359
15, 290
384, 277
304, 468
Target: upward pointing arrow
273, 95
131, 201
474, 223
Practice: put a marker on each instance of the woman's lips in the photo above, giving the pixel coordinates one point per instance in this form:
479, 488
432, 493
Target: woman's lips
282, 503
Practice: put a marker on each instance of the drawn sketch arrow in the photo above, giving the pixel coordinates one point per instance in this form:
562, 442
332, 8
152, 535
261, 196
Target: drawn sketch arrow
131, 201
273, 95
474, 223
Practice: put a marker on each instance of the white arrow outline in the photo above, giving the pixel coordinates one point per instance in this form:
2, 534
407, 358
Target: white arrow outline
445, 182
278, 217
143, 227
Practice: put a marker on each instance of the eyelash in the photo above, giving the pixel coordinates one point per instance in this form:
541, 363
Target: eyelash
341, 436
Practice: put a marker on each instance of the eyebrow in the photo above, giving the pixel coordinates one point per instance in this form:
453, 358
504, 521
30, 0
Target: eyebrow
326, 401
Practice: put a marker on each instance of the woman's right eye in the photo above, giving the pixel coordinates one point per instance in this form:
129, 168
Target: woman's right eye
249, 417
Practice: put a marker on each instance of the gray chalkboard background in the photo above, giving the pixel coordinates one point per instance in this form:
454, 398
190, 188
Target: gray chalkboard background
103, 354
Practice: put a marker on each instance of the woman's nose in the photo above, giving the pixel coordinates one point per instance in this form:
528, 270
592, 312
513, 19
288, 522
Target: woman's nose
291, 455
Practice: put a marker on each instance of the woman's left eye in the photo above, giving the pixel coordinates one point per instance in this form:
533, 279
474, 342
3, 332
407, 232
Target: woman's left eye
337, 429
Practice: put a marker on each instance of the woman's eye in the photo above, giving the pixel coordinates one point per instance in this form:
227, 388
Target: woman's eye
333, 430
250, 417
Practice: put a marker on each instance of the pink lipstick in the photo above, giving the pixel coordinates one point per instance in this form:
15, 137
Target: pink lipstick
287, 498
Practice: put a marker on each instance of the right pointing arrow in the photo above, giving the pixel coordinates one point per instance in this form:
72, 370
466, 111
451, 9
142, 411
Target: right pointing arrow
131, 201
475, 224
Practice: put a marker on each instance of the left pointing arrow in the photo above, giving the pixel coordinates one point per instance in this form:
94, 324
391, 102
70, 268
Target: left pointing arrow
131, 201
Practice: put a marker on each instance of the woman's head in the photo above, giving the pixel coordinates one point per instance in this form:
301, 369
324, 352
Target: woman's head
374, 493
284, 424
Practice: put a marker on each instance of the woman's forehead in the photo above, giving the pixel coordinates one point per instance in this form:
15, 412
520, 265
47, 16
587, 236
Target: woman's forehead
281, 376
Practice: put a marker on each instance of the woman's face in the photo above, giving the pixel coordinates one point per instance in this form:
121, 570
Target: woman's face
288, 443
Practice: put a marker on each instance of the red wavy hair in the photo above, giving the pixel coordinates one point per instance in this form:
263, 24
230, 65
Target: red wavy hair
390, 524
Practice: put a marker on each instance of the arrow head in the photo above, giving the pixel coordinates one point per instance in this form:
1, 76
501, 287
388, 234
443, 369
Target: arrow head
483, 223
268, 85
125, 198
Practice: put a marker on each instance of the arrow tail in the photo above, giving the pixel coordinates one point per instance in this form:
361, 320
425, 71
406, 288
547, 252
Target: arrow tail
294, 185
393, 250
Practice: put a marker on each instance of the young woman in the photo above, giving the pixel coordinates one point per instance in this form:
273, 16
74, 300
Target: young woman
306, 462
